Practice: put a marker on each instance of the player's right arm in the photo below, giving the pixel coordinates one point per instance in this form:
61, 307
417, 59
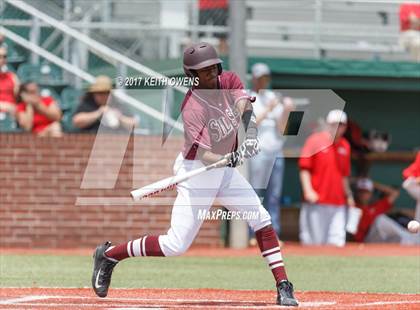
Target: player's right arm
25, 117
207, 157
234, 159
305, 164
309, 194
85, 119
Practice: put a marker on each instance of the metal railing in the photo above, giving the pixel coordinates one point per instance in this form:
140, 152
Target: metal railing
306, 25
117, 59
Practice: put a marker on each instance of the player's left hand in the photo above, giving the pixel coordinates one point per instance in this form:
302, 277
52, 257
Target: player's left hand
234, 159
250, 147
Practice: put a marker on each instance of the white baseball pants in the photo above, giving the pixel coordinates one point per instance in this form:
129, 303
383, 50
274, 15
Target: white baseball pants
198, 194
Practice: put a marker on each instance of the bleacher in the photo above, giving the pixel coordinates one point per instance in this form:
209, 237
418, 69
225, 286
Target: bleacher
340, 29
347, 30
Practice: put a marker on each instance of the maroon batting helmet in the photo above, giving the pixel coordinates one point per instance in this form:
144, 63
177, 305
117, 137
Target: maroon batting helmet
199, 56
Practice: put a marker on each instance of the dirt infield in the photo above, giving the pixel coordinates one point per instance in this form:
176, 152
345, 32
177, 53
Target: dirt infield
52, 298
290, 248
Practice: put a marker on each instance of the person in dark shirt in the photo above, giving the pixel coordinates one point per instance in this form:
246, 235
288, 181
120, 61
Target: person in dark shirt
95, 109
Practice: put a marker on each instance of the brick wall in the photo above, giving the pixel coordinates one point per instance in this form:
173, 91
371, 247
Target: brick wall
41, 183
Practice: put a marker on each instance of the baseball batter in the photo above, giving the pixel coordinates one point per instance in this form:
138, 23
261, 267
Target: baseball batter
212, 114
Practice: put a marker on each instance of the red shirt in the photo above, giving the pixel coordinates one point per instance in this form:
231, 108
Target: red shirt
414, 169
405, 10
7, 87
369, 214
210, 118
328, 163
213, 4
40, 121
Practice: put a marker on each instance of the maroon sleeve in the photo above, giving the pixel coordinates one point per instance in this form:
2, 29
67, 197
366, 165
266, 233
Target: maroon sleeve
231, 80
195, 128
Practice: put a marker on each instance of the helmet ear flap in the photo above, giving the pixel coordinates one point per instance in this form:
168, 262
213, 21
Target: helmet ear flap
190, 73
219, 69
193, 73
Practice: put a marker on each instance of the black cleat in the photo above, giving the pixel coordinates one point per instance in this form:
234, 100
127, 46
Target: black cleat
285, 295
102, 270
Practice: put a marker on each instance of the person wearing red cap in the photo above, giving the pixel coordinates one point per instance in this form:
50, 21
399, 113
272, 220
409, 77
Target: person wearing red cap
324, 170
212, 113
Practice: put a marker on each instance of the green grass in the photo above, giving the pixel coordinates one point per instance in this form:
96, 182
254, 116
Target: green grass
354, 274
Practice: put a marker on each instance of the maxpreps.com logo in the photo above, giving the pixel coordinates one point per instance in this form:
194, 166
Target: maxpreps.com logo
220, 214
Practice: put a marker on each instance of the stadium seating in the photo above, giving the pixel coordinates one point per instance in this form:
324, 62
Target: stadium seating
43, 74
70, 98
50, 92
14, 57
8, 123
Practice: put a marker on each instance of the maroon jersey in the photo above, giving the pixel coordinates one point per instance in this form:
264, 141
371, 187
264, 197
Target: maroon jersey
211, 120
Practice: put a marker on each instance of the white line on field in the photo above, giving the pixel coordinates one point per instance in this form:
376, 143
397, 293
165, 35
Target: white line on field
179, 300
22, 299
156, 303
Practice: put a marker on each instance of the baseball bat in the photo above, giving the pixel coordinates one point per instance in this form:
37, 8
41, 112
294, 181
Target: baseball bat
171, 182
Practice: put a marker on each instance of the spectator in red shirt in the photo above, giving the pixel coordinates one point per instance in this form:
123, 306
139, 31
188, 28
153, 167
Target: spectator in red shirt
9, 85
324, 170
39, 115
412, 183
375, 226
410, 28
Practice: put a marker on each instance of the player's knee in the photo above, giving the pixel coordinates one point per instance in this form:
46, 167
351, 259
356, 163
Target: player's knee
262, 220
178, 249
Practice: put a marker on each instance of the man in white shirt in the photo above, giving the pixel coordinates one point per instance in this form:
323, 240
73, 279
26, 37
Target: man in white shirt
266, 169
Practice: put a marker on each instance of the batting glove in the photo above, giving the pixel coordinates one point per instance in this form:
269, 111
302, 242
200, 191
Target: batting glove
235, 159
250, 147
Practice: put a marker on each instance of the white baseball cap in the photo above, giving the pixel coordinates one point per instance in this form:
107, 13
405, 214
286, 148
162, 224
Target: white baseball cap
337, 116
260, 69
365, 184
